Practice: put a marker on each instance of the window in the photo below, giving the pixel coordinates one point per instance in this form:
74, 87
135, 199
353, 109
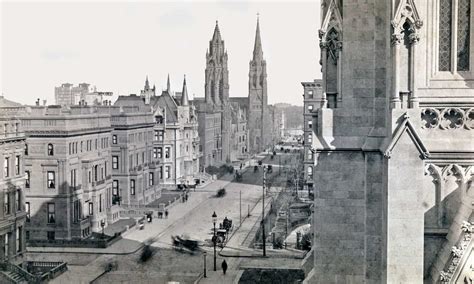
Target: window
17, 165
310, 124
26, 149
51, 179
72, 182
91, 208
310, 108
332, 100
310, 94
155, 153
27, 177
160, 135
160, 152
96, 172
100, 202
76, 211
50, 149
18, 239
309, 138
310, 154
81, 146
168, 172
6, 167
115, 187
454, 35
51, 235
28, 212
51, 213
151, 179
115, 164
114, 139
310, 172
18, 200
7, 244
155, 137
6, 203
132, 187
167, 152
160, 172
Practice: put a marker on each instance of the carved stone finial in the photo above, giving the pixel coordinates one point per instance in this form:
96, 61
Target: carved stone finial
397, 38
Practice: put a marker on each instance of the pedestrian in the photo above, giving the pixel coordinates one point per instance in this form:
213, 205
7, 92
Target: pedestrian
224, 266
240, 165
166, 214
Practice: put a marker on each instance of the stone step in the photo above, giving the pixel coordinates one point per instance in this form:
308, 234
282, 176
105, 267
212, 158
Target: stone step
16, 277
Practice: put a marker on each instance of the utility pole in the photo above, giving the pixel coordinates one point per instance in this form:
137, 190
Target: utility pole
240, 207
263, 212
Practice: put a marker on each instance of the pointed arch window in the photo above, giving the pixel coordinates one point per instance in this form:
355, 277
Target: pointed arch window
454, 40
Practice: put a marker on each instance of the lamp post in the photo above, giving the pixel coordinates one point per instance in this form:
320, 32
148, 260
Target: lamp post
204, 254
214, 238
263, 211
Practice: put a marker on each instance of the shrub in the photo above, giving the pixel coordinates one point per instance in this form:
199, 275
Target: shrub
146, 254
220, 192
278, 244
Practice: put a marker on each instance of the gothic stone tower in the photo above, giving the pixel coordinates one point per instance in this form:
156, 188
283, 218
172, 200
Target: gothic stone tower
392, 137
258, 119
217, 91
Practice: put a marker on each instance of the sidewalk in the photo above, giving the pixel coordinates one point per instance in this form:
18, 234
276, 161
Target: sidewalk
132, 240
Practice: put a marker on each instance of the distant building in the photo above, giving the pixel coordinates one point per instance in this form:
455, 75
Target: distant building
313, 99
13, 216
214, 113
147, 93
134, 166
83, 94
68, 172
176, 139
260, 123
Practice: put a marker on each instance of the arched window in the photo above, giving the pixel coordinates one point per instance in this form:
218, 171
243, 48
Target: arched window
96, 172
50, 149
454, 35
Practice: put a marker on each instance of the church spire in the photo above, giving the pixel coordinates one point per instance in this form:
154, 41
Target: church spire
257, 49
184, 95
147, 84
168, 86
217, 33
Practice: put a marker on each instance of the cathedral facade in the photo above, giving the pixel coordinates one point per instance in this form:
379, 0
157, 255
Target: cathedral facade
392, 143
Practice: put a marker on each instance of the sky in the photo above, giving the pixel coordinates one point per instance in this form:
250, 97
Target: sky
115, 45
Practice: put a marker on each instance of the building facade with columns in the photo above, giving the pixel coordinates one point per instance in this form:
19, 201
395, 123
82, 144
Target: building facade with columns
392, 141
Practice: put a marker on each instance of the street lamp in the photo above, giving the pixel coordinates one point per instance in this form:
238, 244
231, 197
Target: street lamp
214, 238
263, 210
204, 254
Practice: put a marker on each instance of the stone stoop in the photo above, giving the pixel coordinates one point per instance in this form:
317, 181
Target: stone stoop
14, 277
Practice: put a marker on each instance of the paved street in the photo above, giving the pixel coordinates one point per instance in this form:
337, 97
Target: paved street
191, 218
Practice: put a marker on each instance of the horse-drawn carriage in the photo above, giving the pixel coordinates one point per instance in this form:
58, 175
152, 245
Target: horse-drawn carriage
182, 243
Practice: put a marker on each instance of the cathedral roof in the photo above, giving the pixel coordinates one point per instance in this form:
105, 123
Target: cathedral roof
184, 95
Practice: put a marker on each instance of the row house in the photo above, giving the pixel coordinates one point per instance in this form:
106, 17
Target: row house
134, 164
68, 172
312, 100
176, 140
12, 182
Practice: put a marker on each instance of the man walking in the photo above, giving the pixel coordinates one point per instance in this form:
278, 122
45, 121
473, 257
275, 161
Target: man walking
224, 266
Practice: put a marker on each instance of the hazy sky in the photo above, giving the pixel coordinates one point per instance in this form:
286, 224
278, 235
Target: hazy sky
114, 45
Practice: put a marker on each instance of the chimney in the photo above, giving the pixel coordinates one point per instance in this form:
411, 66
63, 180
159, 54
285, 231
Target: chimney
37, 102
44, 102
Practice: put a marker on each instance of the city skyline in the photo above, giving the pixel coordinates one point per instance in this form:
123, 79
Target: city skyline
151, 32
